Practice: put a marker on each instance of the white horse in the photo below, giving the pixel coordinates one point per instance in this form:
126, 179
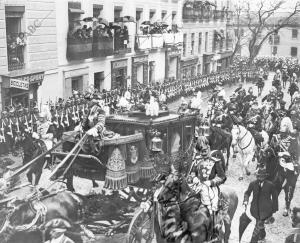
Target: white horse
244, 147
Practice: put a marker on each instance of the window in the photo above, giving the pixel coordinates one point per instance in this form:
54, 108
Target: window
294, 33
294, 51
138, 17
199, 69
193, 71
15, 37
274, 50
97, 9
206, 41
99, 80
192, 43
163, 15
117, 12
152, 14
77, 83
200, 42
184, 45
174, 17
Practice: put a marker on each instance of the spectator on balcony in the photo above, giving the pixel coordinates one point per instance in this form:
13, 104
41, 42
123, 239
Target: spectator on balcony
78, 34
125, 36
20, 47
89, 33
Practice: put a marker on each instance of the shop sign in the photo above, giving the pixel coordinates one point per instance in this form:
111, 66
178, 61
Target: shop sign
32, 78
19, 84
142, 59
119, 64
174, 53
189, 62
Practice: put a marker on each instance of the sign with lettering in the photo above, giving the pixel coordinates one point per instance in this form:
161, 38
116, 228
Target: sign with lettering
174, 53
19, 84
31, 78
119, 64
141, 60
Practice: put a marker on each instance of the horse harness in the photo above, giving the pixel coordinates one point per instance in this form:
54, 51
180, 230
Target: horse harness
243, 138
40, 211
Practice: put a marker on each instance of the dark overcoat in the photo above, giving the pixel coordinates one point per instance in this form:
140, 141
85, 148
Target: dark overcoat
265, 199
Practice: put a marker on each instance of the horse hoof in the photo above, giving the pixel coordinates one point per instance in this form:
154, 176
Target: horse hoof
241, 178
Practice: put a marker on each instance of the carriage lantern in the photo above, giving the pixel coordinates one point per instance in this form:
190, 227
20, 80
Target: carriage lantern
156, 142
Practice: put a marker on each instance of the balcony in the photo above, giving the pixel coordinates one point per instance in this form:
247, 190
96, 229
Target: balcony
198, 15
79, 49
103, 46
15, 52
147, 42
154, 41
121, 45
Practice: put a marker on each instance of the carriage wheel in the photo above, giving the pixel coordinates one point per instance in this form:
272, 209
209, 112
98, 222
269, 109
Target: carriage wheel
140, 229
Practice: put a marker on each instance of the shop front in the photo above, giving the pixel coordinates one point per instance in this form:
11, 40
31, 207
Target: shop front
21, 89
207, 62
189, 67
119, 74
223, 60
173, 62
139, 70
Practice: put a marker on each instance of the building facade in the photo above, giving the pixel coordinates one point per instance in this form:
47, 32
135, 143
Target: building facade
28, 49
64, 49
285, 43
207, 39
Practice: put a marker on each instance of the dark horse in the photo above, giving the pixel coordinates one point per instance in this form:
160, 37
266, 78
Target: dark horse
36, 213
195, 221
220, 139
31, 149
278, 175
295, 234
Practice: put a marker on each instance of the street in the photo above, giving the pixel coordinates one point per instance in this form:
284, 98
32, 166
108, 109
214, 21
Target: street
276, 232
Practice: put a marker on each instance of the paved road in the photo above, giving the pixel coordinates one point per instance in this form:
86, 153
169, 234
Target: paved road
275, 233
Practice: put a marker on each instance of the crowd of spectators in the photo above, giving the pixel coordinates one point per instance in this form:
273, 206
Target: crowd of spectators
15, 46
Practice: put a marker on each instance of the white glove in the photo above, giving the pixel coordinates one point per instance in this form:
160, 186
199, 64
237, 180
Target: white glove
92, 132
78, 128
35, 135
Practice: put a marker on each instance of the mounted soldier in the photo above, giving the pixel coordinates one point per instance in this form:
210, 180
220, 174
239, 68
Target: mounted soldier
210, 175
285, 145
254, 123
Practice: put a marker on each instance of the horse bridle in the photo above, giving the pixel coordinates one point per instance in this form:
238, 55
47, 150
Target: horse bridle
240, 139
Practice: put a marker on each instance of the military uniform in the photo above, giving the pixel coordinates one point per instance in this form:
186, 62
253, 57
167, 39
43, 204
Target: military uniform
210, 169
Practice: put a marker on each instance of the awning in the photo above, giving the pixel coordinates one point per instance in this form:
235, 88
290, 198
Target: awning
118, 8
98, 6
139, 9
76, 11
15, 9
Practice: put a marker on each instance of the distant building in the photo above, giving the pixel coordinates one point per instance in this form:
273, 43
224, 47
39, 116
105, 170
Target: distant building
207, 39
284, 43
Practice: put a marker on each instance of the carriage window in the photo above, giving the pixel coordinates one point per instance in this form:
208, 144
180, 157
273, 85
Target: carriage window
175, 139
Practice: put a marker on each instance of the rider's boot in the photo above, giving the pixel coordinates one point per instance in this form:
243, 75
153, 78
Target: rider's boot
216, 226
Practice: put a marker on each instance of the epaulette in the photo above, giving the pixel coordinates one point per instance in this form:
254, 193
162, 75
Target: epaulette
214, 159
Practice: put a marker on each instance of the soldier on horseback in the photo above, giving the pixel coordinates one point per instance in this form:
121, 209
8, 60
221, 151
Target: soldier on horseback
211, 175
286, 147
